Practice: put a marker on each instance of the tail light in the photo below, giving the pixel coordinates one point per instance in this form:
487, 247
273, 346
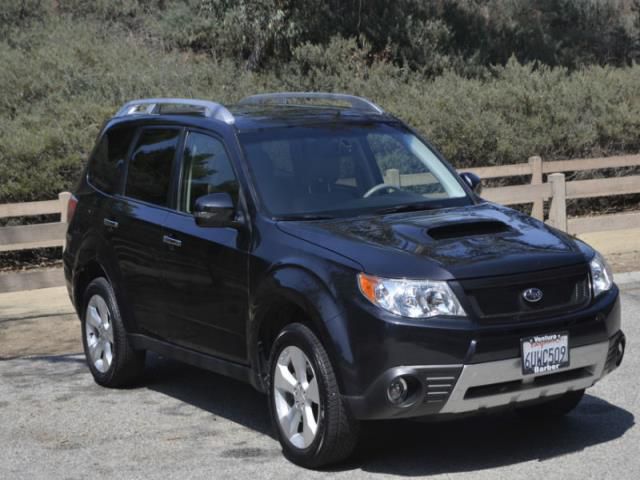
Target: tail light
71, 208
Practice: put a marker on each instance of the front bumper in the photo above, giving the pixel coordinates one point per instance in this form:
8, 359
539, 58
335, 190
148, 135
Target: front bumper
459, 389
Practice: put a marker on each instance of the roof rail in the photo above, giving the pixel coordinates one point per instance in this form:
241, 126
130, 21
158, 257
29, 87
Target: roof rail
284, 98
154, 106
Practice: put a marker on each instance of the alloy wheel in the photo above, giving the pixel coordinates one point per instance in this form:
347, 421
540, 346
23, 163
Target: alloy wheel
296, 397
99, 333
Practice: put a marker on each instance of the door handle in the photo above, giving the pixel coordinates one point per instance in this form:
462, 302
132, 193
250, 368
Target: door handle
173, 242
110, 223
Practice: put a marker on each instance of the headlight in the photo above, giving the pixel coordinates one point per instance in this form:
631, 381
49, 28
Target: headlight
411, 298
601, 276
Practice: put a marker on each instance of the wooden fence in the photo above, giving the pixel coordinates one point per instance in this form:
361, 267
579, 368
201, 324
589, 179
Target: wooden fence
555, 190
40, 235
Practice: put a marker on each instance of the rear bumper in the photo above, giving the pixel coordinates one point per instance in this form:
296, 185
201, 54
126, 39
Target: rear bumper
461, 389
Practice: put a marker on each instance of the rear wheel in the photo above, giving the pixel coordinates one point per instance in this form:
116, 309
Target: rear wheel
311, 420
554, 408
112, 360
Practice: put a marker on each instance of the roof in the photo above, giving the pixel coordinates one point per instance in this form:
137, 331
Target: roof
258, 111
256, 117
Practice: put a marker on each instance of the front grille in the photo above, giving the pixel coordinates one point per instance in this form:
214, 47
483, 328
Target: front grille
500, 299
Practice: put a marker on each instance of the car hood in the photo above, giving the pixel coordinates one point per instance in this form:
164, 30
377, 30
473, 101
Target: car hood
464, 242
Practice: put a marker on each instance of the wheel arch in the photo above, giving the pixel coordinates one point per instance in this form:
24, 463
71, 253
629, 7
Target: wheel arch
93, 260
292, 294
89, 271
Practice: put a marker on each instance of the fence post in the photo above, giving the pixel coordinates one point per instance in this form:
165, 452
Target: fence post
64, 197
393, 177
558, 208
536, 179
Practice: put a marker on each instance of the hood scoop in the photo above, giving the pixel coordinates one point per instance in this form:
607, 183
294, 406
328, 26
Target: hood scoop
467, 229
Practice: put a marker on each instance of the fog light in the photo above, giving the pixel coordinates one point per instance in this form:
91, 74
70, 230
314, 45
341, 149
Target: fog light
398, 390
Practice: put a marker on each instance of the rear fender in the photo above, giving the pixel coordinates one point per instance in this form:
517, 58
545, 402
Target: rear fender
94, 250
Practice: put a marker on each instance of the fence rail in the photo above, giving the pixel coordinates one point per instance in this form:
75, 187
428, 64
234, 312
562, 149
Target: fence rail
39, 235
556, 166
30, 208
516, 194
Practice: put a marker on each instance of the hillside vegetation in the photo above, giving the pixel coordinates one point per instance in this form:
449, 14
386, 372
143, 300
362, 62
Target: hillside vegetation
488, 81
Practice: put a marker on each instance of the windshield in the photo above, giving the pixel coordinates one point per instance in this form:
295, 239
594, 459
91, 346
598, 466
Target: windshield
347, 170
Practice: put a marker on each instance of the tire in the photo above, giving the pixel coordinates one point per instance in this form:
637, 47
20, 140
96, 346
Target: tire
110, 357
336, 431
554, 408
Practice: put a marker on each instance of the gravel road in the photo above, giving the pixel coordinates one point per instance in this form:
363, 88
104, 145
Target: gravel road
55, 423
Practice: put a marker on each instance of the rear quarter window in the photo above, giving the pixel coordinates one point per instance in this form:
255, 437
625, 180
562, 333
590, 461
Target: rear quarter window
107, 163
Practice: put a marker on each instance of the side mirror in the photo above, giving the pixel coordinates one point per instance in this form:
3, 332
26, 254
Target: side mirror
214, 210
473, 181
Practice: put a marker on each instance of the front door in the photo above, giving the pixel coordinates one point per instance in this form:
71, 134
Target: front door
206, 269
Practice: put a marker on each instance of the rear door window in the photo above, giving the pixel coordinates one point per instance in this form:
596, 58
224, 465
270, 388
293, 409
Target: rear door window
107, 163
150, 167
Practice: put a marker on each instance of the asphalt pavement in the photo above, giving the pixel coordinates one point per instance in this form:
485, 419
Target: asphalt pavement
183, 423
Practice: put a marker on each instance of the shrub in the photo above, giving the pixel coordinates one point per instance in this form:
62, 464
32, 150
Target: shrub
61, 79
466, 35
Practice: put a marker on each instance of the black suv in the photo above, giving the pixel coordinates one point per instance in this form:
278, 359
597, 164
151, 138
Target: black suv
315, 246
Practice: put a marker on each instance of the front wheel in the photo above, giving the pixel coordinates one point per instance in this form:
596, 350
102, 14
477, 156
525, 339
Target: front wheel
312, 422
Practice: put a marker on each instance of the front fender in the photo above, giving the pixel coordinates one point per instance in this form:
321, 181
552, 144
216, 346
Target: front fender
308, 291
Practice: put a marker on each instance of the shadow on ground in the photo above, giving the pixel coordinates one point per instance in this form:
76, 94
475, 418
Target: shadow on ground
219, 395
409, 447
489, 441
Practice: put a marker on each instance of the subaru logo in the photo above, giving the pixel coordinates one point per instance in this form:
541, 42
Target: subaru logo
532, 295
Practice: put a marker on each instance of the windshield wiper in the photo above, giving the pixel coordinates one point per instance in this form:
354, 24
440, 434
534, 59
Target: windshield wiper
304, 216
405, 207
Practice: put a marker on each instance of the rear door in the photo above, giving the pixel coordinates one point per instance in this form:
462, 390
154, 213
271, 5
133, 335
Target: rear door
206, 269
135, 225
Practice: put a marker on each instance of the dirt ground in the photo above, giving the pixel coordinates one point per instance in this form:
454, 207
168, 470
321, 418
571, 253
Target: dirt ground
38, 323
621, 248
624, 262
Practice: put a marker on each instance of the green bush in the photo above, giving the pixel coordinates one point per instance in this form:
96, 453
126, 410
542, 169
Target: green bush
465, 35
22, 13
62, 78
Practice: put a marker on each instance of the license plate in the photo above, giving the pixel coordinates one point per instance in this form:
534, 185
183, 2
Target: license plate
544, 353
